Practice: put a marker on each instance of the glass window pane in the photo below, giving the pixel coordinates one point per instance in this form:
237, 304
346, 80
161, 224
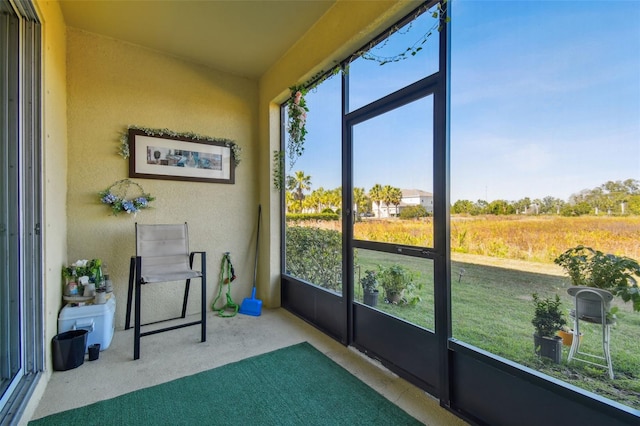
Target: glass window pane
370, 78
313, 233
393, 176
393, 184
544, 157
404, 285
10, 347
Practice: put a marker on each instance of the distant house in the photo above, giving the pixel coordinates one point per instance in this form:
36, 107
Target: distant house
410, 197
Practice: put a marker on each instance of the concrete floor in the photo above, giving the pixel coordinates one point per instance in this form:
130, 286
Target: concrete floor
171, 355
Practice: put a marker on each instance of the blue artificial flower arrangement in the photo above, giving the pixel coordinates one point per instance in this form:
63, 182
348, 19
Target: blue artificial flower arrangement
116, 198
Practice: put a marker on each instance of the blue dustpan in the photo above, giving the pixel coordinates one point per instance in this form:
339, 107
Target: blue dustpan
251, 306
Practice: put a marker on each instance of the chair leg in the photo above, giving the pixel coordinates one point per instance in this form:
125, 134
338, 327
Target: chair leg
132, 272
607, 353
137, 316
187, 286
575, 344
186, 298
203, 303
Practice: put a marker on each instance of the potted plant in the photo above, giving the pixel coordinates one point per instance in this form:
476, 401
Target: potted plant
370, 287
395, 279
592, 268
547, 320
566, 334
81, 273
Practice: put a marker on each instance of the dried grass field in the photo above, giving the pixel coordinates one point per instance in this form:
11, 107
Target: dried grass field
529, 238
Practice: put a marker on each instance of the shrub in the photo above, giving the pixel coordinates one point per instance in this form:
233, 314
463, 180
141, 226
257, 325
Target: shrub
300, 217
592, 268
412, 212
314, 255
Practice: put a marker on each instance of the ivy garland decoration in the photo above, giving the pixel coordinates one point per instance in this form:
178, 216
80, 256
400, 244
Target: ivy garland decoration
115, 197
437, 14
297, 106
123, 150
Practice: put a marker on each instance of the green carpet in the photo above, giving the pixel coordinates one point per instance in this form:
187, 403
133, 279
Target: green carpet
296, 385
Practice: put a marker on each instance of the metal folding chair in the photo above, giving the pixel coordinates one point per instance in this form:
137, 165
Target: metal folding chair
591, 306
162, 255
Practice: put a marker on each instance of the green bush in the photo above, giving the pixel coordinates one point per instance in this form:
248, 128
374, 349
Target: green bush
579, 209
314, 255
412, 212
300, 217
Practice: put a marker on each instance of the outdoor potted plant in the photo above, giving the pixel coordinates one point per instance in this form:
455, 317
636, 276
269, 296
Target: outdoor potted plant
370, 287
395, 279
587, 267
566, 334
547, 320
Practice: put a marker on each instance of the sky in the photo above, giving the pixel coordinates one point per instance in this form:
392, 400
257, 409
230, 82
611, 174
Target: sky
545, 101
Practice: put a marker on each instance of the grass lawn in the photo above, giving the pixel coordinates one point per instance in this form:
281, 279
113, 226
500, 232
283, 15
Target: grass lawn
492, 309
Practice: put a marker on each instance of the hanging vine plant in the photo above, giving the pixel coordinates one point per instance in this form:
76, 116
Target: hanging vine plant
123, 150
297, 106
296, 124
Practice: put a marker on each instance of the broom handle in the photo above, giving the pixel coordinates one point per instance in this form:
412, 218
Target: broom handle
255, 268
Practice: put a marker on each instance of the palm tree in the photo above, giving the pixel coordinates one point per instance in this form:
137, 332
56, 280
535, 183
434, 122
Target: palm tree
388, 196
359, 199
396, 198
375, 194
288, 201
298, 184
334, 198
316, 199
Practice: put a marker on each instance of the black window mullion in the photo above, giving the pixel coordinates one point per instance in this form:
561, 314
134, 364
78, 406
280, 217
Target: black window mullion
441, 212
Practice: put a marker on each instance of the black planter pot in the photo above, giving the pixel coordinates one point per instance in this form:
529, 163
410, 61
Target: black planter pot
68, 349
549, 347
371, 298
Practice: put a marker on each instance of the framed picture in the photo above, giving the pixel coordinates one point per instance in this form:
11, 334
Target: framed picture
179, 158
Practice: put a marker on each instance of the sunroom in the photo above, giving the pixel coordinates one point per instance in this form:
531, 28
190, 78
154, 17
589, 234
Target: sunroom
419, 96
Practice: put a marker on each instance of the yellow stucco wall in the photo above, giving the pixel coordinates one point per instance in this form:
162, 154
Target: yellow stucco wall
54, 158
112, 84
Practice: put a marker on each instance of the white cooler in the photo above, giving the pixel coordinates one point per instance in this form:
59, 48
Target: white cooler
98, 320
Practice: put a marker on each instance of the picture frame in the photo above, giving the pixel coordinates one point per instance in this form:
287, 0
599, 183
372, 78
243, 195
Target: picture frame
179, 158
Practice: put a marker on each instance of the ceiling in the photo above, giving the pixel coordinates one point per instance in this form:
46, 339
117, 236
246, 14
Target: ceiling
242, 37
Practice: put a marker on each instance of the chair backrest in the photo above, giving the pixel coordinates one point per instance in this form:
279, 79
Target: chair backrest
592, 304
590, 293
164, 248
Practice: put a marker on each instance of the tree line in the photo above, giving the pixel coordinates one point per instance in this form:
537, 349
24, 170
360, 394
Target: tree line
323, 200
611, 198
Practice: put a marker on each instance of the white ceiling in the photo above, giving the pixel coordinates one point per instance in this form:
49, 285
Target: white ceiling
242, 37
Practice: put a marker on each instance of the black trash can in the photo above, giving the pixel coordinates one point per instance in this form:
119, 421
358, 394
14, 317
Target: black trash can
68, 349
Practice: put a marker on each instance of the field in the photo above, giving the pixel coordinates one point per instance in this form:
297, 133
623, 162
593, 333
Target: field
530, 238
497, 263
